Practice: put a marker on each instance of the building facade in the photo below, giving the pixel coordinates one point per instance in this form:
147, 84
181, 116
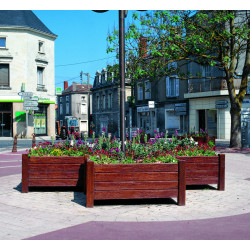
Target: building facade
170, 108
26, 64
76, 101
106, 103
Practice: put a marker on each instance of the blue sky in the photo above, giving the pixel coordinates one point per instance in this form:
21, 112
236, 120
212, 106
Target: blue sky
81, 41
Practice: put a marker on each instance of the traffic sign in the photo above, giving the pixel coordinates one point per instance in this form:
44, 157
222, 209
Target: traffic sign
29, 98
30, 103
30, 108
25, 94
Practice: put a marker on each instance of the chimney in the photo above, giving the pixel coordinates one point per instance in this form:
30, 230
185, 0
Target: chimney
142, 46
65, 85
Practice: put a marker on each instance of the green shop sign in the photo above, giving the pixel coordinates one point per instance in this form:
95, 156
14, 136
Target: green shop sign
20, 116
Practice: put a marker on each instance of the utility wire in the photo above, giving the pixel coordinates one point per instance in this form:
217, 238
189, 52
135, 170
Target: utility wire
62, 65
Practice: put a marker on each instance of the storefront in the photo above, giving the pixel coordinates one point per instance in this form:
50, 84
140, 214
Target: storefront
211, 114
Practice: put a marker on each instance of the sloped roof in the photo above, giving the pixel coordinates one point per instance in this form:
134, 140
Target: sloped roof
22, 18
78, 88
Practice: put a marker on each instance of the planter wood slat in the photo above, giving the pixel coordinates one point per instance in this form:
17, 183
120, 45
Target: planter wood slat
56, 159
54, 175
205, 170
111, 184
55, 182
204, 166
157, 176
52, 167
52, 171
135, 194
135, 185
126, 168
201, 181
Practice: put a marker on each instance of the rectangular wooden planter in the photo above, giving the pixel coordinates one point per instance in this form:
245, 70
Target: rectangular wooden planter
61, 171
205, 170
134, 181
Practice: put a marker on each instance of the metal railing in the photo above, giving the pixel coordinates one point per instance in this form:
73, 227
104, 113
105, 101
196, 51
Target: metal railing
211, 85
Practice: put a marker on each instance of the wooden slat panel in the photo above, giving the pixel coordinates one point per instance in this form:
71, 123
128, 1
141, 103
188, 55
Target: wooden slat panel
56, 159
204, 159
54, 167
203, 173
116, 177
55, 182
201, 166
116, 168
200, 181
136, 185
135, 194
54, 175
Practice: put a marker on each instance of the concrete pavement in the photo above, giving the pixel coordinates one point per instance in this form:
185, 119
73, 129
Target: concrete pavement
208, 214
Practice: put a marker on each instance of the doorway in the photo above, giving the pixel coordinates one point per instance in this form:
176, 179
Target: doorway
5, 124
202, 119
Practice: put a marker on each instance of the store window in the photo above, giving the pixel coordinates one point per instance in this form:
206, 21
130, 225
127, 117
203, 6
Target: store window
40, 120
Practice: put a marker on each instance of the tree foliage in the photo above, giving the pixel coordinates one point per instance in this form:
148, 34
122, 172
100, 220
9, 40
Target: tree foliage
218, 38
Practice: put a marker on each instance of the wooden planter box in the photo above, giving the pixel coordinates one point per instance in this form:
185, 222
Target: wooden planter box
134, 181
205, 170
61, 171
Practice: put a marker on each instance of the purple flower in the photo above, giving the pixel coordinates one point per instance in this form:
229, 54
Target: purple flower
176, 132
104, 129
155, 131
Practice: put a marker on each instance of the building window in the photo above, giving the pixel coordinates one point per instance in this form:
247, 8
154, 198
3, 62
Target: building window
140, 92
67, 108
110, 100
61, 123
67, 98
98, 102
61, 109
83, 98
60, 99
41, 47
40, 77
148, 90
2, 42
83, 109
103, 102
4, 74
172, 87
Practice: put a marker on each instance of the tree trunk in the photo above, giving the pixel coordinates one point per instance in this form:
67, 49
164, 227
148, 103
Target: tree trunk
235, 140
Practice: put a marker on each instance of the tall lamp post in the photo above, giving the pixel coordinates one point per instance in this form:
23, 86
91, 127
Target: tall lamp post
122, 16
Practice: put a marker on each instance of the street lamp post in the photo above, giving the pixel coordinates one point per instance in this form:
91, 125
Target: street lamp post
122, 15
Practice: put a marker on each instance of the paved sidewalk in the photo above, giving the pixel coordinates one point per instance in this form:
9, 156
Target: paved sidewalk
208, 214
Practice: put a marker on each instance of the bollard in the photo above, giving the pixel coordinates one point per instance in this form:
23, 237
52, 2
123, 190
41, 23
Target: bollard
33, 141
14, 149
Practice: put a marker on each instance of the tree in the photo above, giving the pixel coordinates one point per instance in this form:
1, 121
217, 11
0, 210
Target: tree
217, 38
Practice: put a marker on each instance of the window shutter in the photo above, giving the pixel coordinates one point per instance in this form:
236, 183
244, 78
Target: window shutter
177, 87
167, 86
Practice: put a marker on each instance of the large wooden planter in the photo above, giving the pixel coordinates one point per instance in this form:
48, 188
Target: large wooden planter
134, 181
205, 170
61, 171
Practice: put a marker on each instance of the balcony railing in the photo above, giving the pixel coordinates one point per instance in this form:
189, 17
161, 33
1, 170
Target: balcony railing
211, 85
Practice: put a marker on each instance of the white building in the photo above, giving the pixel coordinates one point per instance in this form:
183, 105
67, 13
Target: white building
26, 64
